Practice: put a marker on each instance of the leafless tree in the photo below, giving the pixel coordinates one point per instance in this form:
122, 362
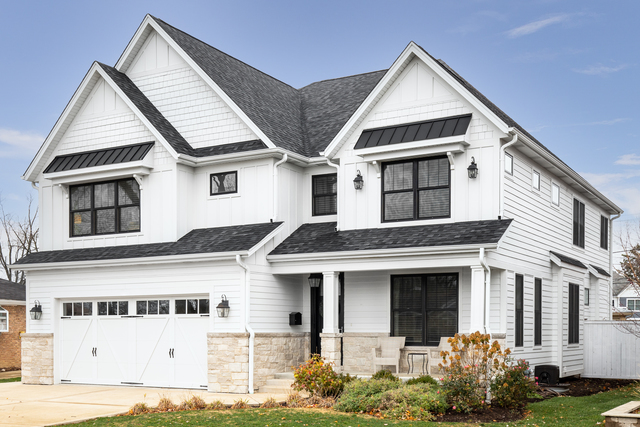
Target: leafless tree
19, 237
629, 270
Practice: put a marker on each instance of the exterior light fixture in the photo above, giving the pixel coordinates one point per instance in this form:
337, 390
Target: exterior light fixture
315, 280
358, 182
473, 169
223, 307
36, 311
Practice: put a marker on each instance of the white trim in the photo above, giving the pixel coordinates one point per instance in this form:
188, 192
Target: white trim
12, 302
295, 158
557, 261
124, 170
595, 273
6, 313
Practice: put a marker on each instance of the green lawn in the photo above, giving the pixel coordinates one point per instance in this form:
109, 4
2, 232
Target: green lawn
560, 411
10, 380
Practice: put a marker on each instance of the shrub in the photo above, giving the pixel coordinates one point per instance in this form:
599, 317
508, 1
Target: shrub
423, 379
139, 408
412, 402
217, 405
318, 378
240, 404
364, 396
270, 403
192, 402
463, 390
165, 404
512, 386
294, 400
384, 374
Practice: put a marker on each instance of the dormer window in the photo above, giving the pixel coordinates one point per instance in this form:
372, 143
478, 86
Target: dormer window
104, 208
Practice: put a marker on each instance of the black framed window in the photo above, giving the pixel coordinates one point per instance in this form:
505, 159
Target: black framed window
192, 306
113, 308
77, 309
574, 313
424, 308
104, 208
578, 223
519, 310
224, 183
325, 194
586, 296
416, 189
537, 312
604, 232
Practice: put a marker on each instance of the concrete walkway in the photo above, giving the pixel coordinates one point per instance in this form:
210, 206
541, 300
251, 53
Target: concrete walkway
42, 405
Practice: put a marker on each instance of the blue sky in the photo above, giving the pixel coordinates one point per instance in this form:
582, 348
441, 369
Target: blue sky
565, 70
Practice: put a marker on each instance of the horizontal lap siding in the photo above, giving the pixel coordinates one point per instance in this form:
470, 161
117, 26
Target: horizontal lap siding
367, 300
273, 298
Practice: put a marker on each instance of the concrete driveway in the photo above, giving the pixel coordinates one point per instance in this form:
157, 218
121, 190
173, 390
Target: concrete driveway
45, 405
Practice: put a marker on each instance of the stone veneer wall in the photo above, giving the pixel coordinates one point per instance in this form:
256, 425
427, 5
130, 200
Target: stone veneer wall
228, 362
37, 358
10, 341
331, 345
356, 347
278, 352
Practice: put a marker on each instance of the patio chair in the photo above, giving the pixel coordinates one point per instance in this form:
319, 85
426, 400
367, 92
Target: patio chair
434, 357
388, 352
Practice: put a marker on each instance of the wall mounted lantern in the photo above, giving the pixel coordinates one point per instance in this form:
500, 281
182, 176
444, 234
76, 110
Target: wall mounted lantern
36, 311
223, 307
315, 280
473, 169
358, 182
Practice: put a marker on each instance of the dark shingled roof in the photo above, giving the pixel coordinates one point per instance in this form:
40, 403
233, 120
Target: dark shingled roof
318, 238
234, 238
106, 156
236, 147
601, 270
569, 260
149, 110
12, 291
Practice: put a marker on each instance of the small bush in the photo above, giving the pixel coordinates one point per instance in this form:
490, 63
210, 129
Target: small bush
512, 386
270, 403
294, 400
384, 374
165, 404
463, 390
320, 402
412, 402
139, 408
423, 379
318, 378
191, 403
364, 396
240, 404
217, 405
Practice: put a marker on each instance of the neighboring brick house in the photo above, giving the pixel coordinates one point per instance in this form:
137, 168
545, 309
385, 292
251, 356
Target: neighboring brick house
12, 322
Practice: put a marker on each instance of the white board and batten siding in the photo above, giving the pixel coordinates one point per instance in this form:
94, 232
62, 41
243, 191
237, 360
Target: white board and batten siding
611, 351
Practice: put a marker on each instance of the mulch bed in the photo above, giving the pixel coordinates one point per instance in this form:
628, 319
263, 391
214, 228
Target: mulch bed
577, 387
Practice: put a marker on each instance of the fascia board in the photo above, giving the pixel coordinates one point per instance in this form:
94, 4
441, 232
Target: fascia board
566, 169
245, 155
65, 119
134, 45
380, 253
214, 86
169, 259
413, 150
262, 242
8, 302
595, 273
99, 173
138, 113
411, 51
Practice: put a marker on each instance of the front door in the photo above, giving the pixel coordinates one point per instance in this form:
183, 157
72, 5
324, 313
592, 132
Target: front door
317, 308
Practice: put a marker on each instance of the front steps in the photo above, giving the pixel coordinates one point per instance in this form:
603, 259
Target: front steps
281, 384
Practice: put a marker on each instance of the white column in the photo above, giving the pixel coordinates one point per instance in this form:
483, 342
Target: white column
476, 312
330, 287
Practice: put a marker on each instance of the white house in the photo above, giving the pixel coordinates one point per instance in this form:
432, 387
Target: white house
182, 174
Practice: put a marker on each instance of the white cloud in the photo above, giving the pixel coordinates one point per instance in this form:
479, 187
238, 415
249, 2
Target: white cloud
535, 26
15, 143
622, 188
628, 159
599, 70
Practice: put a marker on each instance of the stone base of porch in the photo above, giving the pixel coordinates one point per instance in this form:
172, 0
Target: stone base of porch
37, 358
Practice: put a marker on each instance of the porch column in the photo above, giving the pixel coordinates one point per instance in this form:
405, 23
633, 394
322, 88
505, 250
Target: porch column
476, 311
331, 336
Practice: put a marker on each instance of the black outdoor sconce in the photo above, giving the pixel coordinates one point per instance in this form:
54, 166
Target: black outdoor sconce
223, 307
358, 182
473, 169
36, 311
315, 280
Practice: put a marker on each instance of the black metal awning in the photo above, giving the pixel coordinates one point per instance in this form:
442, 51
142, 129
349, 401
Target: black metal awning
107, 156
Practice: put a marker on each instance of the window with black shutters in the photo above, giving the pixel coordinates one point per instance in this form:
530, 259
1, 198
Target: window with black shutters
574, 313
424, 308
537, 312
325, 194
416, 189
578, 223
519, 310
104, 208
604, 232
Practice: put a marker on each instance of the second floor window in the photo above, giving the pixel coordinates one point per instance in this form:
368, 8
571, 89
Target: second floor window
105, 208
416, 189
325, 194
224, 183
578, 223
604, 232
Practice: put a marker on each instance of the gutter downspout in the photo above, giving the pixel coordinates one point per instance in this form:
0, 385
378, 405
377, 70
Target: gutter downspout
35, 187
247, 317
501, 180
338, 196
285, 157
611, 262
487, 284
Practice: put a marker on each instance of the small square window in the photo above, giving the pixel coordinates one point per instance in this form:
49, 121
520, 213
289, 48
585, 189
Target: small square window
536, 180
224, 183
555, 194
508, 163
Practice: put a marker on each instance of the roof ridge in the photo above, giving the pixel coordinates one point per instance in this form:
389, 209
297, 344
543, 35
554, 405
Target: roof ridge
344, 77
224, 53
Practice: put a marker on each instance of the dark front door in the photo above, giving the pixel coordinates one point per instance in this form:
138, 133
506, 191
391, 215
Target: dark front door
317, 308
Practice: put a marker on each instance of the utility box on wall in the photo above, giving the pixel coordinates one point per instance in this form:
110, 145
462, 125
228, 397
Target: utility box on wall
295, 319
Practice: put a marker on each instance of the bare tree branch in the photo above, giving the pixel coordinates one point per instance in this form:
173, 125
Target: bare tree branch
19, 237
630, 271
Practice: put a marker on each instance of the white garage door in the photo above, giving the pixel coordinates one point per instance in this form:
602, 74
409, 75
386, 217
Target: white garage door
159, 342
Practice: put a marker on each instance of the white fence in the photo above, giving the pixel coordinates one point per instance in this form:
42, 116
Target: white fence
610, 351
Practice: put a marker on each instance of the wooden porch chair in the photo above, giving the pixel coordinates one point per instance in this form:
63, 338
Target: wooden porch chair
434, 356
388, 352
